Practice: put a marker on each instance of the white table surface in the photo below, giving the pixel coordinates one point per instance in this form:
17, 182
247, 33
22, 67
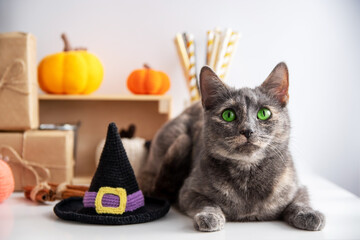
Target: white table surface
22, 219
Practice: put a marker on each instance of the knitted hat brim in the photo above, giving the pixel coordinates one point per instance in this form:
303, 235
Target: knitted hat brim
69, 209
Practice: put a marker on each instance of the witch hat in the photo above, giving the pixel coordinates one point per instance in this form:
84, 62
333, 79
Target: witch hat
114, 197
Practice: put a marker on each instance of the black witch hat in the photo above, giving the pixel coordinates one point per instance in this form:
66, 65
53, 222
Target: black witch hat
114, 197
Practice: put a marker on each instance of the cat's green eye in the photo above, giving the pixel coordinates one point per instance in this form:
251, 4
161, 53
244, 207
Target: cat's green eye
229, 115
264, 114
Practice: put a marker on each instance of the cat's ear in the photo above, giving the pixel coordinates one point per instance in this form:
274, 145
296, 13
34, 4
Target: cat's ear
277, 83
211, 87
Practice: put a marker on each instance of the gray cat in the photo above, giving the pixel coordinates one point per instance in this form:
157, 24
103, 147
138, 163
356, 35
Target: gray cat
227, 158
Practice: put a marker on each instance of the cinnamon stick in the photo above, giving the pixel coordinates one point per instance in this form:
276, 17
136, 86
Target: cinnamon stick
45, 194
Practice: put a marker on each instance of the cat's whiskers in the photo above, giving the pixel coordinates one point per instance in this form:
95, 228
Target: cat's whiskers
269, 143
235, 139
277, 152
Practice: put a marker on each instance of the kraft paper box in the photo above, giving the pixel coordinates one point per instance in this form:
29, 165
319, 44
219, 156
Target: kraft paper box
18, 82
52, 150
12, 139
25, 173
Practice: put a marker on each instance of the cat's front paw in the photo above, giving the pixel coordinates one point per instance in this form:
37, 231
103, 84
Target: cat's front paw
309, 220
209, 222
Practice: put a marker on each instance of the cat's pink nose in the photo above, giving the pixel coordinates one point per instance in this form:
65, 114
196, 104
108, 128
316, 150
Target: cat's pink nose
247, 133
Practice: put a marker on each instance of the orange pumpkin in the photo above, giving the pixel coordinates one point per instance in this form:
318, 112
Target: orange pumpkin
73, 71
148, 81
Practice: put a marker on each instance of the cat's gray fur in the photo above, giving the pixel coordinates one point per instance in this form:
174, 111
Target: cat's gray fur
214, 173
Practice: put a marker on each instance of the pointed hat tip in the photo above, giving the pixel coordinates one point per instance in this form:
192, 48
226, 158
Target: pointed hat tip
112, 133
112, 127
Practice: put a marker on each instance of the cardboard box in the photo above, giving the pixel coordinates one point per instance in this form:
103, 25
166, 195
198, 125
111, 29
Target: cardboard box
12, 139
18, 82
52, 149
25, 173
38, 149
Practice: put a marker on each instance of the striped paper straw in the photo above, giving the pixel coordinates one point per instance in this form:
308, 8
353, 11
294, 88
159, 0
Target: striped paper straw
184, 58
231, 48
215, 48
210, 45
193, 83
221, 53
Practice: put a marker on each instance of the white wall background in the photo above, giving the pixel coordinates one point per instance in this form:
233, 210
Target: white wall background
319, 40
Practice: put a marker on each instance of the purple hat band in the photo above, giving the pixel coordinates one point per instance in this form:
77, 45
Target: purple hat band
113, 200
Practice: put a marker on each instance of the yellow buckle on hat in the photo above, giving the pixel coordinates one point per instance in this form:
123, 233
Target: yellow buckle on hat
121, 192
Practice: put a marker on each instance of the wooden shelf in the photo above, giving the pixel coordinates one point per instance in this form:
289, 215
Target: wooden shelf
95, 112
164, 100
105, 97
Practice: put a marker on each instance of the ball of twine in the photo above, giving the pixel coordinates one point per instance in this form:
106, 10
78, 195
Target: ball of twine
7, 183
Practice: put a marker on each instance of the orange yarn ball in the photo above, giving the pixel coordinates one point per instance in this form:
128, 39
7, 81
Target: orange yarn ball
7, 183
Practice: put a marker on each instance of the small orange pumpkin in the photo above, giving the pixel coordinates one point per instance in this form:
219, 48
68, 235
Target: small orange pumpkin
148, 81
